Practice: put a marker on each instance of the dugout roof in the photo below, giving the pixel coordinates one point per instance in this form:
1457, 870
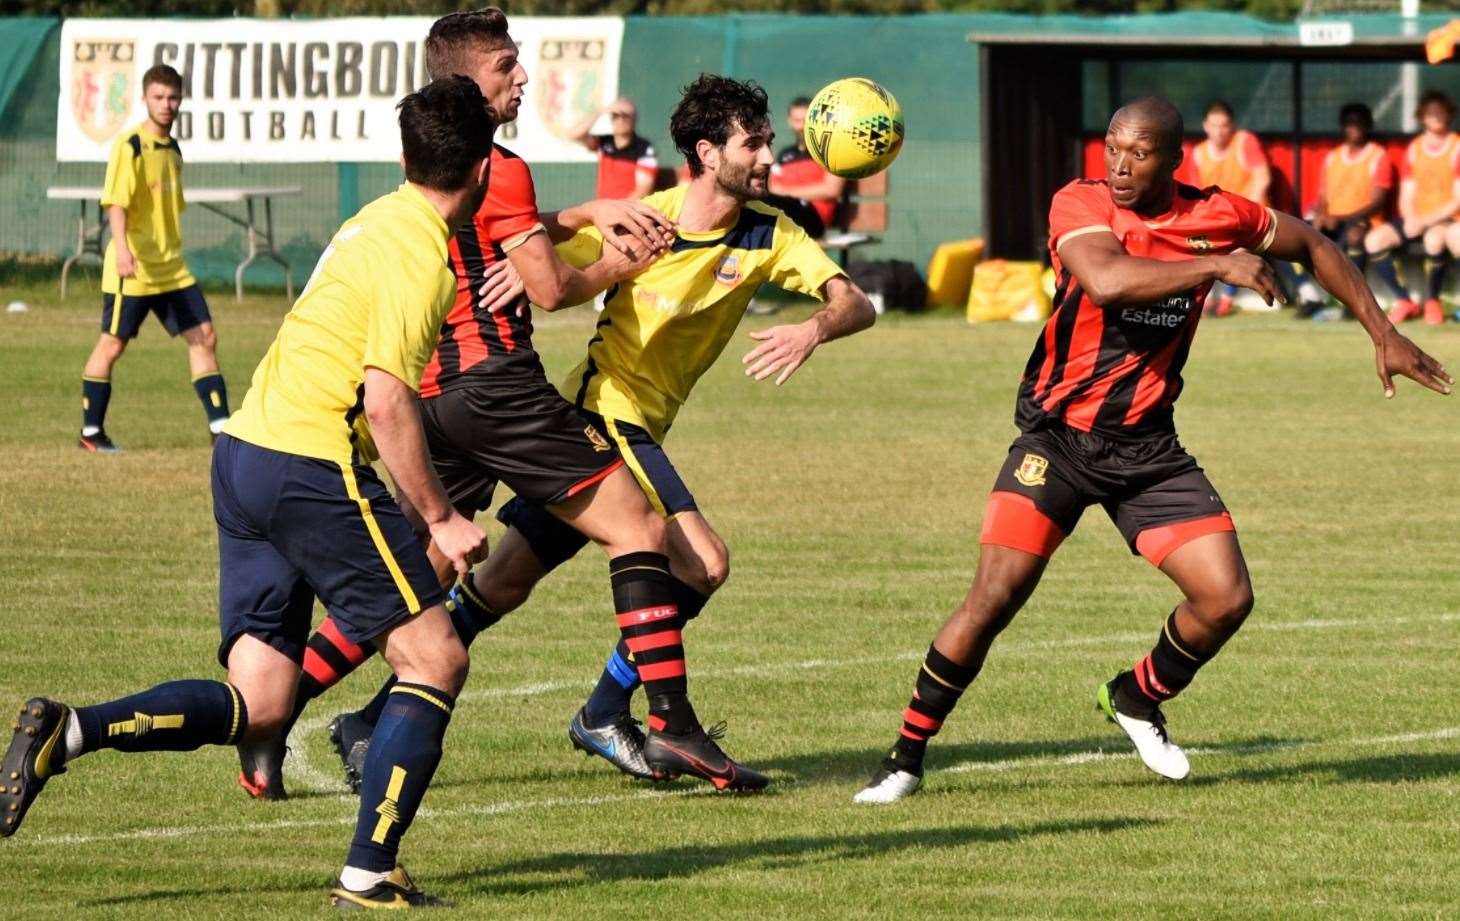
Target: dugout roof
1047, 84
1374, 35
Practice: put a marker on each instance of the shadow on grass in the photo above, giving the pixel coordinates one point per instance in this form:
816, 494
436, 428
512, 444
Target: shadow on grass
857, 765
574, 869
1400, 768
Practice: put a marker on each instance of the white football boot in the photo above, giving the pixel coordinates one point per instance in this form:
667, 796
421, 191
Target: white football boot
889, 785
1153, 745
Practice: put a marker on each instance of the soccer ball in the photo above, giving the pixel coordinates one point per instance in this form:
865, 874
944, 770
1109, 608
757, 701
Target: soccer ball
854, 128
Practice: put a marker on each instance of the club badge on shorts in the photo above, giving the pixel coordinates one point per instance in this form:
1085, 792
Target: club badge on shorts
598, 441
1031, 470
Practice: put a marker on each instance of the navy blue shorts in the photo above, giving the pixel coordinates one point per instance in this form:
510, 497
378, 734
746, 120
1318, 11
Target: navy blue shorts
292, 529
553, 542
178, 311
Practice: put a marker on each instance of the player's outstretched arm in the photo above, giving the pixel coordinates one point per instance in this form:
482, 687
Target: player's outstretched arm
394, 414
1393, 352
1111, 277
553, 284
625, 225
786, 348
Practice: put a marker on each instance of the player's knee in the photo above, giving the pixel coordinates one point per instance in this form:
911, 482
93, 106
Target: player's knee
204, 337
504, 596
267, 714
445, 668
1378, 241
1227, 610
111, 347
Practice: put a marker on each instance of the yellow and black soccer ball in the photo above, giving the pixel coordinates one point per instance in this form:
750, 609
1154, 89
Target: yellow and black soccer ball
854, 128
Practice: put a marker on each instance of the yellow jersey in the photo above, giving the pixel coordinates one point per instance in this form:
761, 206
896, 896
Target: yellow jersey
144, 175
660, 331
376, 299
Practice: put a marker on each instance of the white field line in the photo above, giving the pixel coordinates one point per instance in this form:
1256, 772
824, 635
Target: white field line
1090, 757
778, 668
534, 805
305, 776
484, 809
320, 782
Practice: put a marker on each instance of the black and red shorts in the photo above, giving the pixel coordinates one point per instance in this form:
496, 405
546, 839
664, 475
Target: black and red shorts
526, 436
1154, 491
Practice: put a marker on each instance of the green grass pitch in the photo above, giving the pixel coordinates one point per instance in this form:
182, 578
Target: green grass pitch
1326, 738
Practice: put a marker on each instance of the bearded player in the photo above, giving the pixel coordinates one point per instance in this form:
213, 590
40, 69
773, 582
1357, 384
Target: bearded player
659, 332
1135, 254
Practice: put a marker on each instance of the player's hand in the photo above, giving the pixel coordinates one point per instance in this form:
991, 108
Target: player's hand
783, 349
503, 287
629, 261
1246, 270
1395, 354
126, 263
631, 226
460, 541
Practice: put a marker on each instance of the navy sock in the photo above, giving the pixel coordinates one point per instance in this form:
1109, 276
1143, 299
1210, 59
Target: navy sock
1358, 257
213, 395
1435, 267
470, 614
176, 717
404, 752
615, 687
469, 611
95, 395
1384, 268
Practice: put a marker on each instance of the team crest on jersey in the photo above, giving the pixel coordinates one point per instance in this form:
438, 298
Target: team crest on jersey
102, 85
570, 79
1031, 471
727, 272
1199, 242
599, 442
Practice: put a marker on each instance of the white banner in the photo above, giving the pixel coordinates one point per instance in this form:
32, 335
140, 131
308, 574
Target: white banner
324, 90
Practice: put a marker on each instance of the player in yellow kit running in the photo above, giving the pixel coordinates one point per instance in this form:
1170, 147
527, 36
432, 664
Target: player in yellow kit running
657, 335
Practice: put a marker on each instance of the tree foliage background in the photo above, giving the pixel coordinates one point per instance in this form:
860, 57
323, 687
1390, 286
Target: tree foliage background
1273, 9
1269, 9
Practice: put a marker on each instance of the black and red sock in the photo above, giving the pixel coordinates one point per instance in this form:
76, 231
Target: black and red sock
941, 681
648, 618
328, 659
1159, 676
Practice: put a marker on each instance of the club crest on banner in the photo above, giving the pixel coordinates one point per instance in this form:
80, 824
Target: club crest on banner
570, 83
103, 84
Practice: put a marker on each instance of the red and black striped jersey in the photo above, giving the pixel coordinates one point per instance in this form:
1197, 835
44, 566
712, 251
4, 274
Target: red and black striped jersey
1116, 371
619, 167
795, 167
475, 344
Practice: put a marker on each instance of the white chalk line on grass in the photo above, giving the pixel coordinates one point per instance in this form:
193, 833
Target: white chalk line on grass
1090, 757
317, 781
484, 809
320, 782
500, 808
778, 668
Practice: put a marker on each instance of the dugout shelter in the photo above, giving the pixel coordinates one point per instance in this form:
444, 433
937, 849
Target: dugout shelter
1048, 85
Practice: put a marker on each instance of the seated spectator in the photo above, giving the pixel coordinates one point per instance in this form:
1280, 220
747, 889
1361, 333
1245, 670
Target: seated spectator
1429, 197
1232, 159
